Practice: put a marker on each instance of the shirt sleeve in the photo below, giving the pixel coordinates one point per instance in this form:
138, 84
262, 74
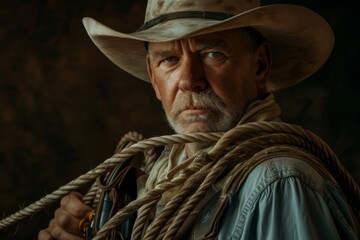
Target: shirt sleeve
286, 201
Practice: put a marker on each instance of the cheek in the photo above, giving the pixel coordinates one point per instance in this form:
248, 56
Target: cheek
167, 88
246, 92
235, 87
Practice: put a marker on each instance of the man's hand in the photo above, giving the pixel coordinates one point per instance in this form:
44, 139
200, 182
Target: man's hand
65, 224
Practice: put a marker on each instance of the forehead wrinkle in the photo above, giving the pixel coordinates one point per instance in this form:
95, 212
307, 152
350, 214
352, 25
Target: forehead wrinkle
161, 53
200, 44
164, 51
205, 44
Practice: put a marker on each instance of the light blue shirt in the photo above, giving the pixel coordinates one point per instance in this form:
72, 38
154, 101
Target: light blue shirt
285, 198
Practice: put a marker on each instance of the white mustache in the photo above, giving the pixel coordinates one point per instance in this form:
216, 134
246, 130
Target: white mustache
191, 100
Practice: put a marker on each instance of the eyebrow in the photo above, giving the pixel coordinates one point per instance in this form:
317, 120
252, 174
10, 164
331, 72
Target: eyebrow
161, 53
213, 43
200, 47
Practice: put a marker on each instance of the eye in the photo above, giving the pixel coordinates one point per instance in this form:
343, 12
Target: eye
213, 57
171, 59
214, 54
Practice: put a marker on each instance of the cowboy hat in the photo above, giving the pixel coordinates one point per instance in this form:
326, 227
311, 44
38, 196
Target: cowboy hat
301, 40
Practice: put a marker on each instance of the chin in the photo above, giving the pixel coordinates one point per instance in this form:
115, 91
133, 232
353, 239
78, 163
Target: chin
193, 127
201, 123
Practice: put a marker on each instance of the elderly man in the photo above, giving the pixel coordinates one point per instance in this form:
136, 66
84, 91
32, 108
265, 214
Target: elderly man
214, 65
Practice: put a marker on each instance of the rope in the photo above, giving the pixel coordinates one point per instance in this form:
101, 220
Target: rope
90, 176
235, 148
258, 137
92, 195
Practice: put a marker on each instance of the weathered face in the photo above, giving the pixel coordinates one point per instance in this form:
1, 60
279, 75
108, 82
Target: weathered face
206, 82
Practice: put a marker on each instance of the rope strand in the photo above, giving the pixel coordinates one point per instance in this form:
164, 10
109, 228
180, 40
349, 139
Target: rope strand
245, 143
91, 175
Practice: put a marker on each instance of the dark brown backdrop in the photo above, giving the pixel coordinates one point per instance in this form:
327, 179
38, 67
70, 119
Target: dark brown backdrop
64, 106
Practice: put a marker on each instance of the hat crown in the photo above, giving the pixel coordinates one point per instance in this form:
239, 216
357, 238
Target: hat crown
157, 8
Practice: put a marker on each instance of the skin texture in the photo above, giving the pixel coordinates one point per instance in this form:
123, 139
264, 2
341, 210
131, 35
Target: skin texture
65, 224
217, 63
204, 84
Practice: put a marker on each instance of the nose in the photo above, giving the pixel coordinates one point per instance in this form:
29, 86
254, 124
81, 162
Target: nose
192, 75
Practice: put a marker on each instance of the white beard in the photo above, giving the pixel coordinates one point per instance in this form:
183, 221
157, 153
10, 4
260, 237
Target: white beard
220, 118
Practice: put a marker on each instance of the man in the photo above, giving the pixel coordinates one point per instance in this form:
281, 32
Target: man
214, 65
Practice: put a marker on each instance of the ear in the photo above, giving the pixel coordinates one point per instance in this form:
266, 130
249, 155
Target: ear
263, 66
152, 77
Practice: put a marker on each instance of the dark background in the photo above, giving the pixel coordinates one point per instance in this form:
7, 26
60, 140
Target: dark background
64, 106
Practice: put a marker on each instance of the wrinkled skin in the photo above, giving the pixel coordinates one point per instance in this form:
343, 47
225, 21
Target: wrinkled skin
221, 64
65, 224
217, 63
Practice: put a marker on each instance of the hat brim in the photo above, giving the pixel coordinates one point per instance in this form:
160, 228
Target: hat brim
301, 40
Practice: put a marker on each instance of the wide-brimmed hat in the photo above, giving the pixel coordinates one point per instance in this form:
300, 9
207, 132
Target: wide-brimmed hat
301, 39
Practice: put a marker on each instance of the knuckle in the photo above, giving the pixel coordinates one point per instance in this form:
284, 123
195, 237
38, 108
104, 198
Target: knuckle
72, 204
51, 224
56, 232
58, 212
63, 219
72, 196
76, 195
44, 235
65, 200
79, 210
54, 229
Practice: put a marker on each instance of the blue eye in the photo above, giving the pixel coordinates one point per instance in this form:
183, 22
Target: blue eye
214, 54
211, 58
170, 59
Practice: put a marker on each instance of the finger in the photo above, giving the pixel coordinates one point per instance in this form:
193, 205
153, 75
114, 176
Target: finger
72, 204
59, 233
68, 222
45, 235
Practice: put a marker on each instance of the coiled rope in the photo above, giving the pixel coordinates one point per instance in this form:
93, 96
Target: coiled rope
236, 149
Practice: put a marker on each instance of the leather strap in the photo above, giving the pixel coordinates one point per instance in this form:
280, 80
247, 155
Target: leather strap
185, 14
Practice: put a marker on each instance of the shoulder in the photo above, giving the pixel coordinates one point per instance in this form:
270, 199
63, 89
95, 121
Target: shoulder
280, 168
280, 175
286, 191
268, 174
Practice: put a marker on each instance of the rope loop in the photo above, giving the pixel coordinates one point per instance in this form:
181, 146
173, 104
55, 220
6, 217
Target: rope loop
235, 151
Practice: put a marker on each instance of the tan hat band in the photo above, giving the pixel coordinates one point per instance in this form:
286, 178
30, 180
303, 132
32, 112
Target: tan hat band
186, 14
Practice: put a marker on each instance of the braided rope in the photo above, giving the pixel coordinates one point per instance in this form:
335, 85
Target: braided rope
238, 144
91, 196
142, 219
190, 186
292, 135
90, 176
152, 195
139, 225
239, 153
